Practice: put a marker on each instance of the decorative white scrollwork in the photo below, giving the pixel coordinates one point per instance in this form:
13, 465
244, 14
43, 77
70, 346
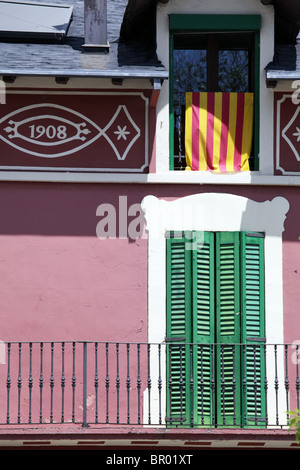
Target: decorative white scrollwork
56, 134
58, 131
293, 143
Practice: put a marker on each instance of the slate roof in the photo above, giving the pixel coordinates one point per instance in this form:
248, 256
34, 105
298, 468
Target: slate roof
37, 58
131, 34
286, 61
274, 73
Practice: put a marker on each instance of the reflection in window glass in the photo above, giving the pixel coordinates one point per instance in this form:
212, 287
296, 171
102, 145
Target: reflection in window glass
233, 71
190, 74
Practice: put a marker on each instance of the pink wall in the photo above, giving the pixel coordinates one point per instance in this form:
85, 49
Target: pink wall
60, 282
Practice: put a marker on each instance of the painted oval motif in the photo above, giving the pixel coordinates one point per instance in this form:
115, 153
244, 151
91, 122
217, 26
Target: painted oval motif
48, 130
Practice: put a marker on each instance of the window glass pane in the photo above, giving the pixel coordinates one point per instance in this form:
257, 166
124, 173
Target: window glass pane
189, 74
233, 71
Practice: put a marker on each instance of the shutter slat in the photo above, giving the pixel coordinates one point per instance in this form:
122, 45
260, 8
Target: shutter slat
203, 325
253, 307
227, 285
178, 329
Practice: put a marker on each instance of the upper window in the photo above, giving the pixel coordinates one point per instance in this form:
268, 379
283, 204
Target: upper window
214, 91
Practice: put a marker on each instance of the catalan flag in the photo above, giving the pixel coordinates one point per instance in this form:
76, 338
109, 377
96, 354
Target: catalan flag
218, 131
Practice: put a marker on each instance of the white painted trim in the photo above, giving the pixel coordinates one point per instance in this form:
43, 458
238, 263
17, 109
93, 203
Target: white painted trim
48, 173
281, 134
216, 212
266, 55
84, 83
167, 178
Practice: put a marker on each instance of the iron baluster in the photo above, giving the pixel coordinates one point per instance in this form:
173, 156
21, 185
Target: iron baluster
139, 382
8, 382
223, 384
118, 383
213, 385
170, 380
41, 381
96, 381
192, 384
73, 382
255, 383
19, 383
276, 385
52, 383
159, 385
234, 384
84, 395
297, 376
107, 381
286, 382
181, 384
201, 383
63, 382
266, 383
149, 386
128, 382
244, 384
30, 382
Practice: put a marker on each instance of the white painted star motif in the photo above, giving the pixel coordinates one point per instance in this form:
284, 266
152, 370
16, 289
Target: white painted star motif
121, 132
297, 134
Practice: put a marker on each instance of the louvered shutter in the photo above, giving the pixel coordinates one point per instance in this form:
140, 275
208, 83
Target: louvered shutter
178, 330
253, 327
228, 328
203, 328
215, 294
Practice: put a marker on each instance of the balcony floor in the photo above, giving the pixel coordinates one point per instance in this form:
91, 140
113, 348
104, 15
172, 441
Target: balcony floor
68, 436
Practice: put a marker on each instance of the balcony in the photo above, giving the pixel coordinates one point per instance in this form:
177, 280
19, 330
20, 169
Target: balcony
120, 384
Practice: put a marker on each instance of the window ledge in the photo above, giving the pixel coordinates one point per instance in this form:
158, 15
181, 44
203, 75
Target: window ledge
168, 177
244, 178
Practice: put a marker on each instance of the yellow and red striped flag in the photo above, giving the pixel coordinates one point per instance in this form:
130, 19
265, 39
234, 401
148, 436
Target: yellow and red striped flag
218, 131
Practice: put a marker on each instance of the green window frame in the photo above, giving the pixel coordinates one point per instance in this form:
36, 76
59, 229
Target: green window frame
215, 329
218, 24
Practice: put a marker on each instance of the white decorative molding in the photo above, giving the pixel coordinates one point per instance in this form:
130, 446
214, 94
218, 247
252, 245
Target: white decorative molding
122, 133
13, 132
224, 7
84, 132
215, 212
283, 134
287, 139
93, 175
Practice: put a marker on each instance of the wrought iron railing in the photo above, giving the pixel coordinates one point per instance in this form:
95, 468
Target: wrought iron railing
168, 384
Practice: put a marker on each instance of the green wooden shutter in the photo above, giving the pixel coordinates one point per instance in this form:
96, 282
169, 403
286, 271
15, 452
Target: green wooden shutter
215, 293
253, 327
228, 334
203, 328
178, 330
